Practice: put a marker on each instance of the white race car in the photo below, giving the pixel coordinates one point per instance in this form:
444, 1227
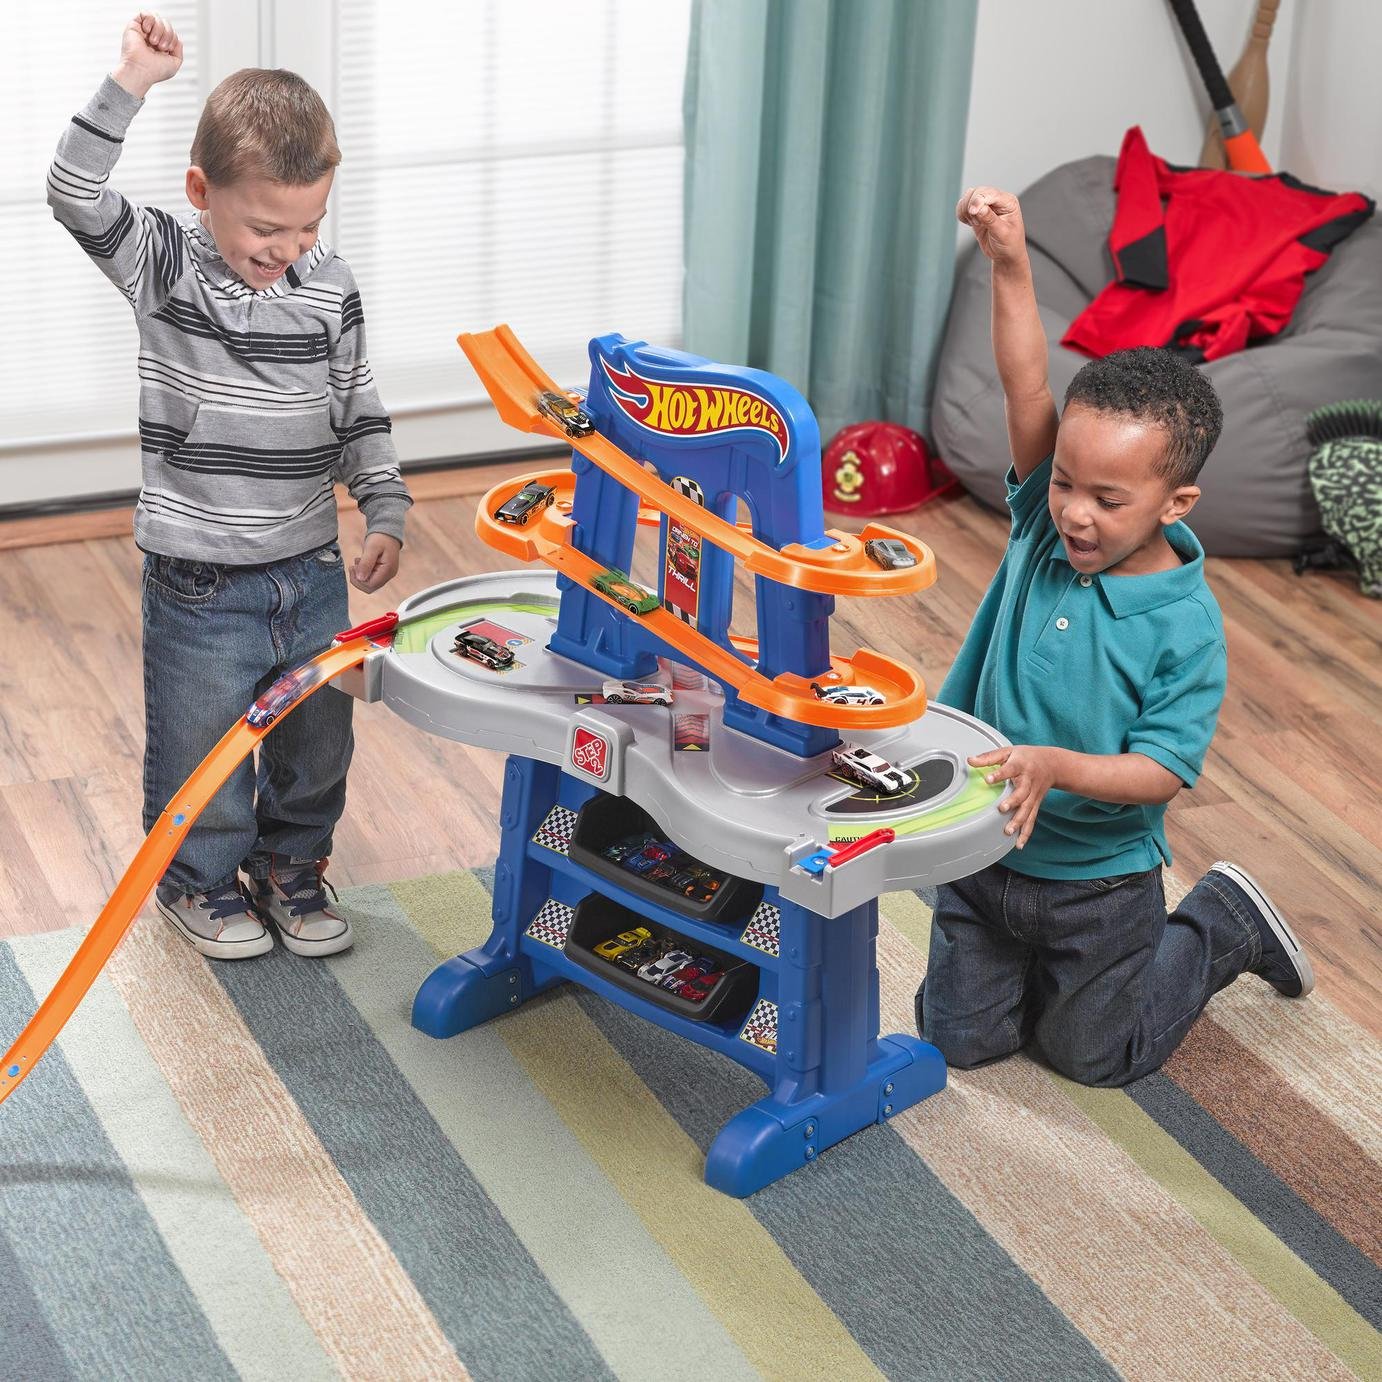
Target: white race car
847, 695
657, 970
635, 693
870, 770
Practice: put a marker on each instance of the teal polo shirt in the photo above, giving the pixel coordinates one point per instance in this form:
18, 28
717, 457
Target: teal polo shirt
1099, 664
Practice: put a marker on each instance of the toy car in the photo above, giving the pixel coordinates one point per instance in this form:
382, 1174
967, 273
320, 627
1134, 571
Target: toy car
531, 499
635, 693
561, 410
634, 960
482, 650
625, 940
847, 695
664, 965
870, 770
684, 562
702, 964
697, 986
630, 845
648, 858
616, 584
695, 886
275, 700
889, 553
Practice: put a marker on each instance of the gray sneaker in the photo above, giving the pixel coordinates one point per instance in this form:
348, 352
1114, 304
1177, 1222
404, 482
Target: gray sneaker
220, 924
294, 898
1284, 964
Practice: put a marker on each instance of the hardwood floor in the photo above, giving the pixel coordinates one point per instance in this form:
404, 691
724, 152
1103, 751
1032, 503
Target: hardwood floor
1289, 789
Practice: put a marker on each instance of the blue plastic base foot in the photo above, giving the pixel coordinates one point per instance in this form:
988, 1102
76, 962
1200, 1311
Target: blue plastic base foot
771, 1138
471, 989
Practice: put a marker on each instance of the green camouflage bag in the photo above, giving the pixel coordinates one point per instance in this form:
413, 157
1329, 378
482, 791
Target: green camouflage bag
1346, 475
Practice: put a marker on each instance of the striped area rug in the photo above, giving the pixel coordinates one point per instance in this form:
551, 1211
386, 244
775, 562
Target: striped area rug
260, 1170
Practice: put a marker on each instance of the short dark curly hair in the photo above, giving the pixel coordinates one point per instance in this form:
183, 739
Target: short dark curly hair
1156, 386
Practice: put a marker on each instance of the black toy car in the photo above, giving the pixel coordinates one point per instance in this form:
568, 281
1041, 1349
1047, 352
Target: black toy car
889, 553
483, 650
531, 499
574, 421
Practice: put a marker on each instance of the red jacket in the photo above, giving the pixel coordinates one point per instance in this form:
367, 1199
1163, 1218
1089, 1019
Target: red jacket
1206, 260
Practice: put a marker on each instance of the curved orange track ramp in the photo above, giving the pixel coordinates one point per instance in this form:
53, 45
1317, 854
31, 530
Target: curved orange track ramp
148, 865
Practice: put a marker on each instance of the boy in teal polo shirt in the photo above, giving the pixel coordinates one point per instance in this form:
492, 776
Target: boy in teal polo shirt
1099, 651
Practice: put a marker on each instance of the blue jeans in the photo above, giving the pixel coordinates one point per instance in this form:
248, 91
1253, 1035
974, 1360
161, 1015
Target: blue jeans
1092, 972
215, 637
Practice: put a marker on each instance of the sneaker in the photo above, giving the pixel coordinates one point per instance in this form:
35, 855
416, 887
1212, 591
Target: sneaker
220, 924
1284, 964
293, 897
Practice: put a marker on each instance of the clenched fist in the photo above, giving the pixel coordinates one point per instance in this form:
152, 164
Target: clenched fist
150, 52
996, 220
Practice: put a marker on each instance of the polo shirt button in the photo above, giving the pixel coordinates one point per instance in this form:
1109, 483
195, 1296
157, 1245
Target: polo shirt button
1086, 580
1062, 623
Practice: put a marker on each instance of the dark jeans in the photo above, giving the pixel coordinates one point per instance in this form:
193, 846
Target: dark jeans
1092, 972
215, 637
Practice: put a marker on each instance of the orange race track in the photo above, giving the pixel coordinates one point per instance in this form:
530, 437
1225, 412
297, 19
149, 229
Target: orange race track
514, 379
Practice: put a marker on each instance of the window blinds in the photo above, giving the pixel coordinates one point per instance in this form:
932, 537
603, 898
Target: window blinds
68, 350
509, 162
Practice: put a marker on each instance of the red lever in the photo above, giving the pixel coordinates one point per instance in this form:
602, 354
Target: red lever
371, 628
861, 846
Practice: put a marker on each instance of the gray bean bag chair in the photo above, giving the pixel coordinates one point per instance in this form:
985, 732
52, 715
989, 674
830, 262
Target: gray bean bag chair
1257, 500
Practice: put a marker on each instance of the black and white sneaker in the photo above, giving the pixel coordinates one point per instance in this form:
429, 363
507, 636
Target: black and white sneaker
294, 898
1284, 964
221, 923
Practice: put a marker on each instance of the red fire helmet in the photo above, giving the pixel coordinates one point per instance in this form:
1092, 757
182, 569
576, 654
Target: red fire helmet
873, 468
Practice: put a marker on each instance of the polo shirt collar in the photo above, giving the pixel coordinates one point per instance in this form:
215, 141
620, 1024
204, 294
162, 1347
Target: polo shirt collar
211, 266
1127, 595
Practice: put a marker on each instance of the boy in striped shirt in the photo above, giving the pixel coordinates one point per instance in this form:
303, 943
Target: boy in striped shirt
255, 397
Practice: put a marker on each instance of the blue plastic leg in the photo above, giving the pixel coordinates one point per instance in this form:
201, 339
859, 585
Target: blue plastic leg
770, 1138
472, 988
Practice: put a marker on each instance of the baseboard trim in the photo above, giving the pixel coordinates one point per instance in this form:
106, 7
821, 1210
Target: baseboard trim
87, 517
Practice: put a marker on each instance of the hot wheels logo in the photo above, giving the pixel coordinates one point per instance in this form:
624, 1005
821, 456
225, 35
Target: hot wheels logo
674, 409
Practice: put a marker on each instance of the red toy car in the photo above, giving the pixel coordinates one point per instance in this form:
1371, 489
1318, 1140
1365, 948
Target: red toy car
695, 980
275, 700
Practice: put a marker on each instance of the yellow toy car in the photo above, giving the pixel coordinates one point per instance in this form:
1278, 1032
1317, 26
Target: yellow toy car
625, 940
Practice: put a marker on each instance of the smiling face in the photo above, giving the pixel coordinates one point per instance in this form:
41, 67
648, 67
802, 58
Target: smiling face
260, 226
1109, 498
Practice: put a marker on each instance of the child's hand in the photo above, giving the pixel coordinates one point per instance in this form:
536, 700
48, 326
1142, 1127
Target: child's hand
150, 52
1032, 772
377, 563
996, 220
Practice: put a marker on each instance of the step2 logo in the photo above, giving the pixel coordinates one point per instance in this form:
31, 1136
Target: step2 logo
590, 752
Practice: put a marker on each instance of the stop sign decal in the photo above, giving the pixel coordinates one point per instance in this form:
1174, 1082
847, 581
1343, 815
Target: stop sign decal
590, 752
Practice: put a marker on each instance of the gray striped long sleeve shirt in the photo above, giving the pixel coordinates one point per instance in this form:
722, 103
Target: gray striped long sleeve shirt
251, 403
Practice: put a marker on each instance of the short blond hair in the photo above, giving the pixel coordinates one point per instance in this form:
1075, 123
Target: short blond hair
265, 122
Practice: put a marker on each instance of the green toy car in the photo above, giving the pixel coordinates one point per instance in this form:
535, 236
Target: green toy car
617, 585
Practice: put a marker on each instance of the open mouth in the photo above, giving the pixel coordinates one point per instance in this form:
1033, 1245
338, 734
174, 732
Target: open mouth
1079, 546
268, 270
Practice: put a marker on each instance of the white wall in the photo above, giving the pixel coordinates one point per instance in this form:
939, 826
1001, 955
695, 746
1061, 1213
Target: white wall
1331, 134
1056, 80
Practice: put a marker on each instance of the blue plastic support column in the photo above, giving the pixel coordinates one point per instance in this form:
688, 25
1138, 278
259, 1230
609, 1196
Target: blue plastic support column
835, 1076
736, 433
497, 976
589, 630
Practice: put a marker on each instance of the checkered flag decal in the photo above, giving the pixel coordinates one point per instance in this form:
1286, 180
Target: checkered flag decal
764, 929
552, 922
691, 490
556, 830
761, 1028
